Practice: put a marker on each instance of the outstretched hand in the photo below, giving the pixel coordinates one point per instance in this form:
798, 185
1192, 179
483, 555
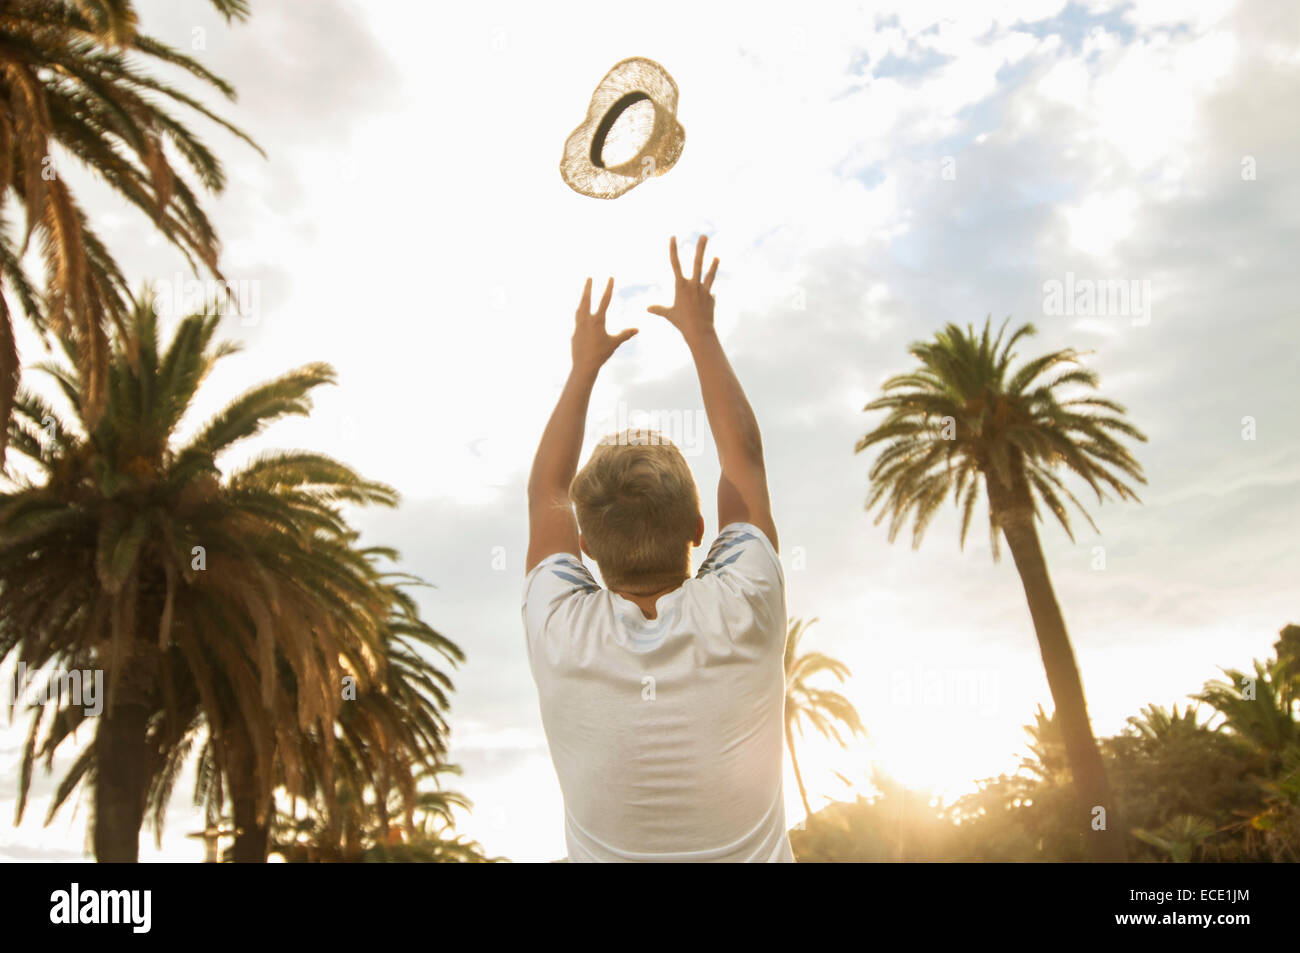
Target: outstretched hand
692, 309
592, 344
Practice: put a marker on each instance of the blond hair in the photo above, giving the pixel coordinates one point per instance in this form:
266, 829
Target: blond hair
638, 510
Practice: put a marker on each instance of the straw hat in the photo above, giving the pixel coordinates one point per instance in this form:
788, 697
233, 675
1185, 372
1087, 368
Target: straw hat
630, 133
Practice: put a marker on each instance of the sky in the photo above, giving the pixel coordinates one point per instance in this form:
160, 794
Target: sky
866, 173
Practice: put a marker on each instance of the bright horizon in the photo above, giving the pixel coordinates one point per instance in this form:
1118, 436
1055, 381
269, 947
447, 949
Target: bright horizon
865, 176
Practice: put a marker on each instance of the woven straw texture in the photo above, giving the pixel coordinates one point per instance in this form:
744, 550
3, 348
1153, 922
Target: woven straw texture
630, 134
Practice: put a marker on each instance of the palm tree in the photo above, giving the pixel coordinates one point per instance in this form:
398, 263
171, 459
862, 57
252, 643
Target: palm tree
1287, 650
1181, 837
71, 87
1256, 708
128, 551
1047, 761
1155, 723
1260, 711
385, 737
965, 417
823, 708
369, 834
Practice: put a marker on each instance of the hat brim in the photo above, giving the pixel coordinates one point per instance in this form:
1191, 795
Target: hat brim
630, 80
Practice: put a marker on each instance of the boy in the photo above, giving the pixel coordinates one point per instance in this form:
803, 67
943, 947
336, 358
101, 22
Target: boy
662, 695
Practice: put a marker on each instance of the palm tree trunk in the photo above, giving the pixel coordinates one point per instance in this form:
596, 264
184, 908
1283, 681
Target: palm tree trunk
122, 763
121, 775
794, 763
251, 835
251, 810
1015, 516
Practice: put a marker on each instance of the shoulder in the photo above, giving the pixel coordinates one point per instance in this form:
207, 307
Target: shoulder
743, 586
559, 573
743, 549
558, 583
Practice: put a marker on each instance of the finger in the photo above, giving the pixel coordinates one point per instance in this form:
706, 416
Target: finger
604, 300
699, 258
672, 256
584, 306
624, 335
708, 279
658, 309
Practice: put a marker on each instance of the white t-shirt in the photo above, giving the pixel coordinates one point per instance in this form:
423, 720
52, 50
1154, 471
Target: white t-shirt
666, 734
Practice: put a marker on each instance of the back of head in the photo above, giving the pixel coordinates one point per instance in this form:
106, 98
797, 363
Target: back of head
638, 510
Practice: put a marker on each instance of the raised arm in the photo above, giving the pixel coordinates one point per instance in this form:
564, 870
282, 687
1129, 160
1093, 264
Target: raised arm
742, 489
551, 526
